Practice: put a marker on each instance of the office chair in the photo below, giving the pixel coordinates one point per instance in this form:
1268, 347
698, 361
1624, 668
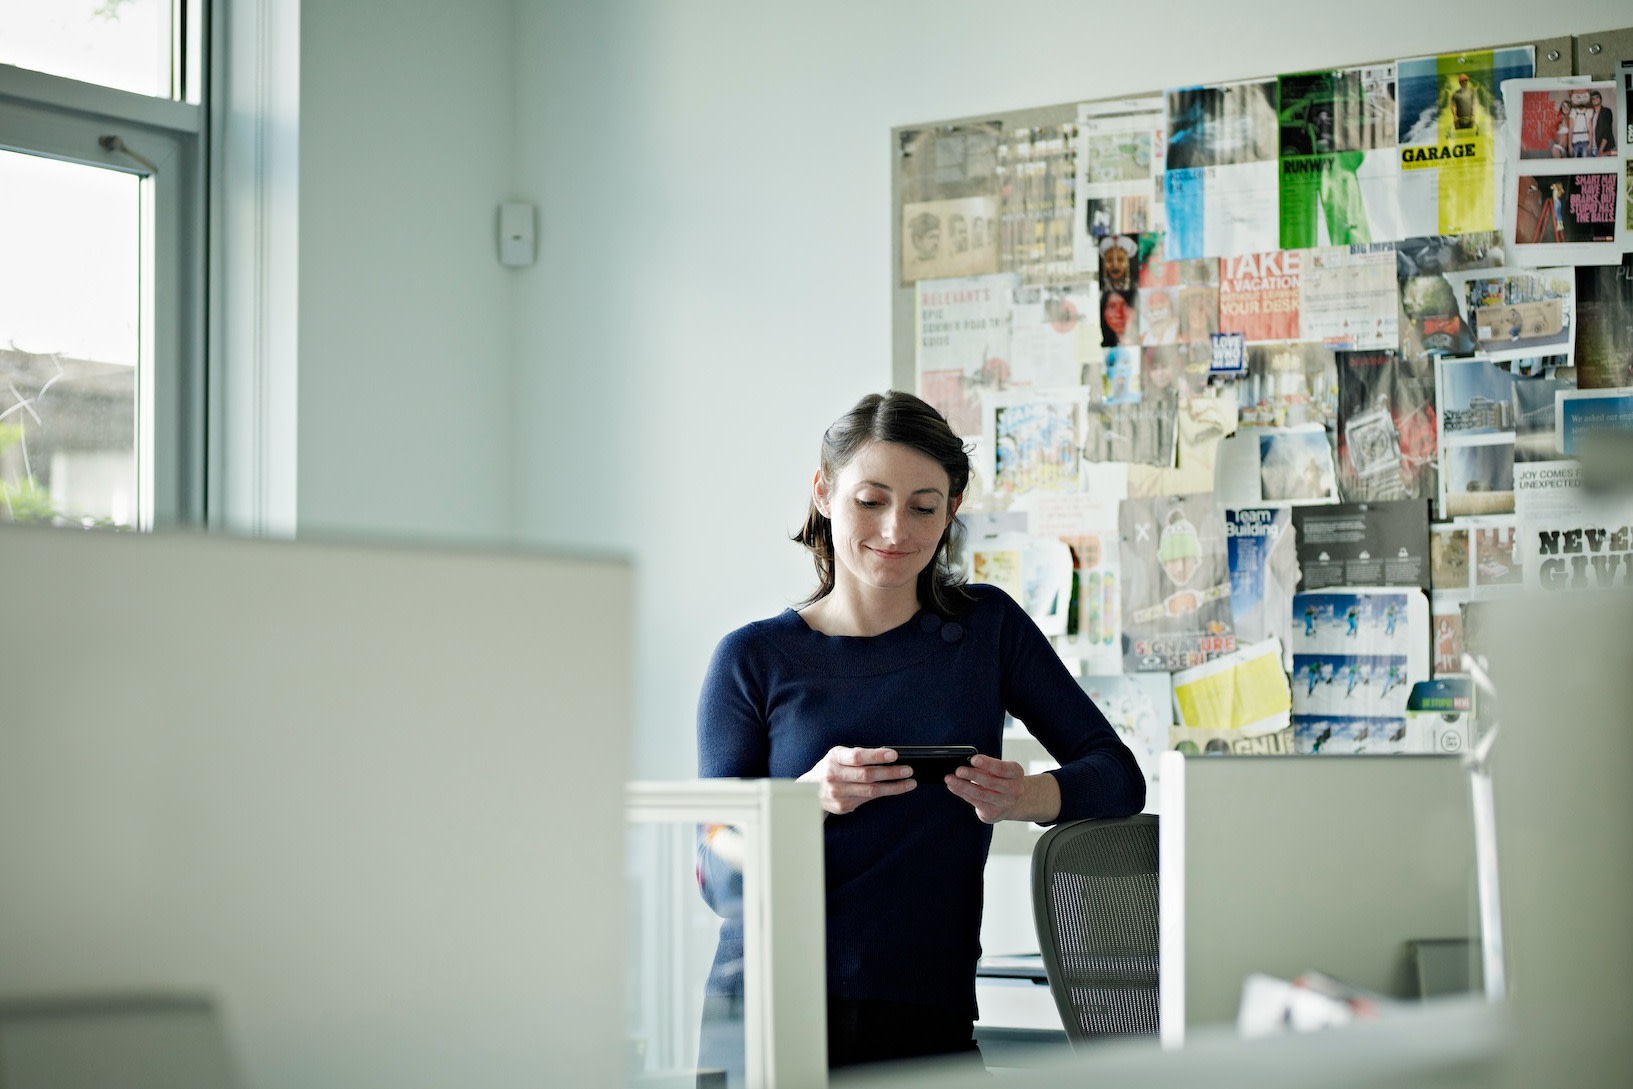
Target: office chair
1094, 897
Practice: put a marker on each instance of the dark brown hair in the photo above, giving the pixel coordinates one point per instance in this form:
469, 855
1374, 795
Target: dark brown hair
903, 419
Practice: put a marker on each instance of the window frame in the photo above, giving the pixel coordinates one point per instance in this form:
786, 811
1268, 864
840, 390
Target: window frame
65, 119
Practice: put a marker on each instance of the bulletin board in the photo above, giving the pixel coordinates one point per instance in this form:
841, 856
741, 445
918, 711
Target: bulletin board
1271, 384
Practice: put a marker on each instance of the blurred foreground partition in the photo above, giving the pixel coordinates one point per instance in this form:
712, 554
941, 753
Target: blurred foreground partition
1562, 772
368, 801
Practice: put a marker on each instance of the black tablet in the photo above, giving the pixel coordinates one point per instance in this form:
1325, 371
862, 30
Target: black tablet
933, 763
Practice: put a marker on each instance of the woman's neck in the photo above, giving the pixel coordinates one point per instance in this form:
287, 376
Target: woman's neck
850, 610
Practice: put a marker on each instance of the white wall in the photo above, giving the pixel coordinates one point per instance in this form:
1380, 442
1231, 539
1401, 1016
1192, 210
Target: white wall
713, 285
406, 340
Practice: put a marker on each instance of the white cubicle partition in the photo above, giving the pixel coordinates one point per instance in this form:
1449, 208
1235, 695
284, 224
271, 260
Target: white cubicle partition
1447, 1044
1284, 864
784, 943
1562, 769
368, 800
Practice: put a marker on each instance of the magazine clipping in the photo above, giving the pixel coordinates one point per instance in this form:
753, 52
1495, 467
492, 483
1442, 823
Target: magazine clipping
1220, 186
1296, 466
1452, 577
1477, 475
942, 239
948, 200
1348, 297
1495, 556
1140, 707
1588, 547
1604, 330
1244, 692
1036, 173
1451, 138
1177, 299
1516, 313
1534, 396
1339, 167
1259, 295
1051, 337
1356, 654
1205, 419
1449, 568
945, 162
1288, 385
1176, 582
1272, 466
1476, 400
1448, 634
1432, 321
1142, 432
1386, 431
1087, 524
1034, 571
1547, 487
1363, 544
1624, 102
1264, 572
1120, 151
1036, 440
1440, 715
1564, 201
961, 338
1580, 412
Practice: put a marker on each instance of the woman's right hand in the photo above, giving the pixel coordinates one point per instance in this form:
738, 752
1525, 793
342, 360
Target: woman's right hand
847, 778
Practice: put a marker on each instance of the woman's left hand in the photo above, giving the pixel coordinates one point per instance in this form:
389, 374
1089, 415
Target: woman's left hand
1001, 790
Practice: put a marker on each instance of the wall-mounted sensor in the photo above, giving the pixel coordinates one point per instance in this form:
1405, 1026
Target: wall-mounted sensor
517, 247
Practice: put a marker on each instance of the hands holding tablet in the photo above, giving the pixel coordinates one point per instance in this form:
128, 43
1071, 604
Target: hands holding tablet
996, 789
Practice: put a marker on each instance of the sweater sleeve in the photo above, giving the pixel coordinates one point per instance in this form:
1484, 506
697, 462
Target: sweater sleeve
1098, 774
733, 736
733, 742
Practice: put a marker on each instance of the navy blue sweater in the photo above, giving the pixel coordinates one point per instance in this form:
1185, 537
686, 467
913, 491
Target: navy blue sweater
904, 873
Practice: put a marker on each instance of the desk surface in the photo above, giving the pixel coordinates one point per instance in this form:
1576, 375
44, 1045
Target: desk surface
1020, 966
1012, 994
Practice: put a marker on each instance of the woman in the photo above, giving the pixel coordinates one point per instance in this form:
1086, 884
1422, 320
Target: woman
892, 649
1560, 147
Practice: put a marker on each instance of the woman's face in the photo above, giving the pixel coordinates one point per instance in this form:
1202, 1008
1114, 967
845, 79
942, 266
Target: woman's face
1116, 314
889, 507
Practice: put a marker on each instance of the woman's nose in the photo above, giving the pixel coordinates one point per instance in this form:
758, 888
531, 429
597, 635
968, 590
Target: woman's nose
890, 525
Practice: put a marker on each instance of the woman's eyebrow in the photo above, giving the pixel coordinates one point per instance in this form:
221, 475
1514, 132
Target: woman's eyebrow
887, 487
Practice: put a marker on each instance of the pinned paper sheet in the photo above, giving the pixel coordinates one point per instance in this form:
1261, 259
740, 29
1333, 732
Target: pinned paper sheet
1245, 690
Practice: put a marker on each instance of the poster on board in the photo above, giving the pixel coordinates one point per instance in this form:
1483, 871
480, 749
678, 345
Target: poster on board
1121, 147
1604, 330
1176, 583
1219, 190
1339, 168
1451, 138
961, 333
947, 238
1516, 313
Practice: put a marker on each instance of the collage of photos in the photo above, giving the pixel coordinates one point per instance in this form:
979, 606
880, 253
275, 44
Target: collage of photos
1296, 368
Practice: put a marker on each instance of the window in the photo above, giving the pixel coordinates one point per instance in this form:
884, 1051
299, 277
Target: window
102, 231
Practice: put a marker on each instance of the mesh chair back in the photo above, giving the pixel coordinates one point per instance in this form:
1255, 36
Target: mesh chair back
1094, 895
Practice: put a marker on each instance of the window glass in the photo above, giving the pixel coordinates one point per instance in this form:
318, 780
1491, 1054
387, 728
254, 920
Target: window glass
116, 43
70, 318
674, 1027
